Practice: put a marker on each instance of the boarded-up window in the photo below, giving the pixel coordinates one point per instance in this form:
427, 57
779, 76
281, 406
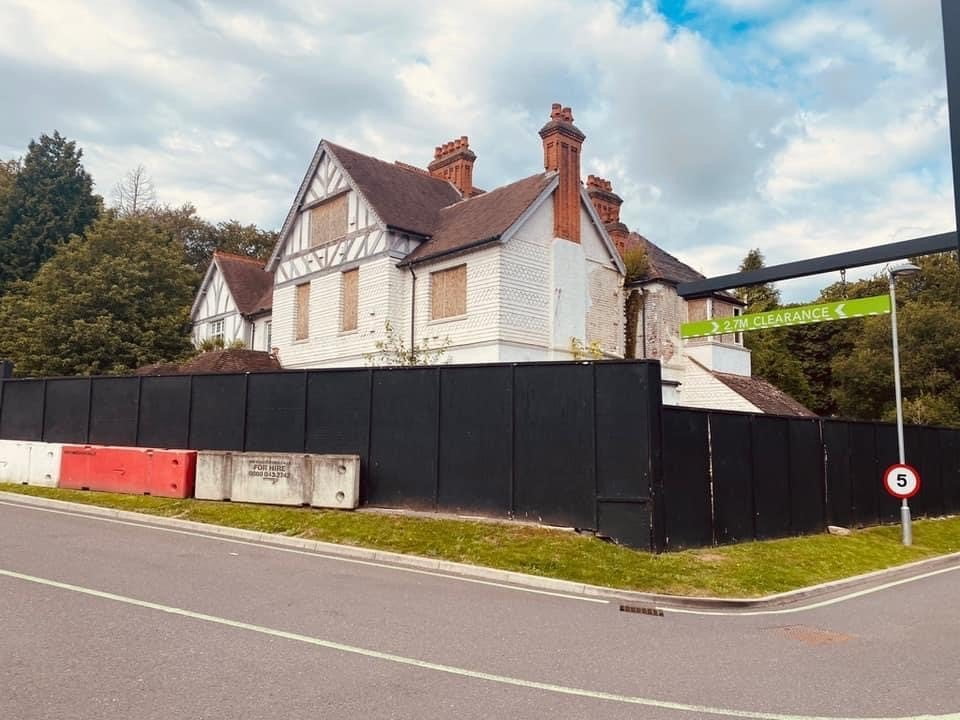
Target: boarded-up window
448, 290
303, 312
349, 299
328, 220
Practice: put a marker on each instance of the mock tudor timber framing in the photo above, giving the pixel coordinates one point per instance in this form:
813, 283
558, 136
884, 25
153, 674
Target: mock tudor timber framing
944, 242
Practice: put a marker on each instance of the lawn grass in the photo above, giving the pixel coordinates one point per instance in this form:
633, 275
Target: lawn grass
745, 570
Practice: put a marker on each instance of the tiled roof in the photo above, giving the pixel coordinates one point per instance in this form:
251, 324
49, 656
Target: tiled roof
481, 218
664, 266
250, 285
233, 360
766, 397
405, 199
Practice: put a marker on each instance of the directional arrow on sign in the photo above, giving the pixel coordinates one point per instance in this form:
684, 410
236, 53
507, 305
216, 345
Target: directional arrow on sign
838, 311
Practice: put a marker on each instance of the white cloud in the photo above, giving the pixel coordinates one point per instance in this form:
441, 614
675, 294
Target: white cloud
819, 129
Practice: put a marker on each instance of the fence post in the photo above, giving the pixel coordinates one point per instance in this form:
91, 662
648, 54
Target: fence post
658, 514
6, 369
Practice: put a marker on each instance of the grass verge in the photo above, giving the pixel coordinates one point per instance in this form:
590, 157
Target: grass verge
745, 570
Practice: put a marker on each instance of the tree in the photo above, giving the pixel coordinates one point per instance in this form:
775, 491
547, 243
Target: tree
135, 194
929, 334
111, 302
51, 199
200, 238
771, 357
759, 298
636, 264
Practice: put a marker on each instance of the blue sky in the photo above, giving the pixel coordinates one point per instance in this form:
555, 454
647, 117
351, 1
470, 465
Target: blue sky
800, 128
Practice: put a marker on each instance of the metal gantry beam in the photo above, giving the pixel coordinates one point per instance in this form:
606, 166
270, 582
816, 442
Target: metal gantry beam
950, 12
827, 263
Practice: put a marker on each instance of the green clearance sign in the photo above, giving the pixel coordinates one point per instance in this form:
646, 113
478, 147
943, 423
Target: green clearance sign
824, 312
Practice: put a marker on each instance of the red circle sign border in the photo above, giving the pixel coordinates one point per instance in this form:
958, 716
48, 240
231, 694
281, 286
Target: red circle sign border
912, 469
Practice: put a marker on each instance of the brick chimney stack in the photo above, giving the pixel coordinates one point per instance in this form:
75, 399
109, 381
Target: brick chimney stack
562, 141
607, 204
453, 161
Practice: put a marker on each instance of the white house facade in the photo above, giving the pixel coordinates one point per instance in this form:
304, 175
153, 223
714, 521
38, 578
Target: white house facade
234, 303
492, 276
373, 252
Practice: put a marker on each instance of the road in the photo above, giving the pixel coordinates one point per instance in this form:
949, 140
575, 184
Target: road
108, 619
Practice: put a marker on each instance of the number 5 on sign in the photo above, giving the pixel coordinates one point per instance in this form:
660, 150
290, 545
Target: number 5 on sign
901, 481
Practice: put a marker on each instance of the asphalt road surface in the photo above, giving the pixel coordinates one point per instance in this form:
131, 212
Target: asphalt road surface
108, 619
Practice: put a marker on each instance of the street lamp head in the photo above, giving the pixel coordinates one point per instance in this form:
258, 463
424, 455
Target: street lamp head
903, 269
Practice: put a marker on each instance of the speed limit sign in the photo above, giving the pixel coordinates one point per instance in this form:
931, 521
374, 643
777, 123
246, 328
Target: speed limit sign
902, 481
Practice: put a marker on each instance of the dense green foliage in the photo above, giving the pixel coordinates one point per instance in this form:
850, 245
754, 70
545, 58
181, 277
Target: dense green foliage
200, 238
109, 302
42, 203
80, 295
847, 366
771, 358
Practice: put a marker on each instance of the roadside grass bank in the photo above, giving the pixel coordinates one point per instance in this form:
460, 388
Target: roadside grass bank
746, 570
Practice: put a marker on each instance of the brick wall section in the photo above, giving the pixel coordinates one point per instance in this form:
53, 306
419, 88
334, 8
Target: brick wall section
453, 161
562, 143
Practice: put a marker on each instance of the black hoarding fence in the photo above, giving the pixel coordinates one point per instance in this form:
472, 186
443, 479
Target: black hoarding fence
586, 445
729, 477
573, 444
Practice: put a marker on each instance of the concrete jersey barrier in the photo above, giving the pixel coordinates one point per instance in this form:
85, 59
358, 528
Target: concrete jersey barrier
30, 463
138, 471
326, 481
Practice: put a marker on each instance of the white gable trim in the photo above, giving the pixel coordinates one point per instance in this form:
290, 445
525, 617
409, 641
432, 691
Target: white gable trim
322, 149
534, 206
604, 235
207, 279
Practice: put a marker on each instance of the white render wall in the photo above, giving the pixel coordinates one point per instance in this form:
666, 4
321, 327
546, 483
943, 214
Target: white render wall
604, 297
382, 294
479, 327
720, 356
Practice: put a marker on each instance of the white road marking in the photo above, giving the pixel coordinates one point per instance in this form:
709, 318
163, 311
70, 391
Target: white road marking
355, 561
447, 669
812, 606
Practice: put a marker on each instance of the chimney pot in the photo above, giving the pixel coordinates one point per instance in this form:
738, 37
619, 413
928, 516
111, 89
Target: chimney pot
453, 161
562, 142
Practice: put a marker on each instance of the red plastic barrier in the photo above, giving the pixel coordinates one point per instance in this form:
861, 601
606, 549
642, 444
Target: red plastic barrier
136, 471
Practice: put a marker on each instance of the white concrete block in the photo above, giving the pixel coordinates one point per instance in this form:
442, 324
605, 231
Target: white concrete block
14, 461
336, 481
45, 464
275, 479
279, 478
213, 475
30, 463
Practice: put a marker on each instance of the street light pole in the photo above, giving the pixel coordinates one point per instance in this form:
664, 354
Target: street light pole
900, 270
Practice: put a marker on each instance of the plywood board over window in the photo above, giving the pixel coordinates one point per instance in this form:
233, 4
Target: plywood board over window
448, 290
349, 299
303, 312
328, 220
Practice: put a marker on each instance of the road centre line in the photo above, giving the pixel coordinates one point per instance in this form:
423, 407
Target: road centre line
324, 556
812, 606
447, 669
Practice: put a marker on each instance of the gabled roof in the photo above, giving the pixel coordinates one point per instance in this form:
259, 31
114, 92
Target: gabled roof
482, 218
664, 267
250, 285
404, 199
763, 395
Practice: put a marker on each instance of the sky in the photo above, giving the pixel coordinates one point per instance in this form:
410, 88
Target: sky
799, 127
